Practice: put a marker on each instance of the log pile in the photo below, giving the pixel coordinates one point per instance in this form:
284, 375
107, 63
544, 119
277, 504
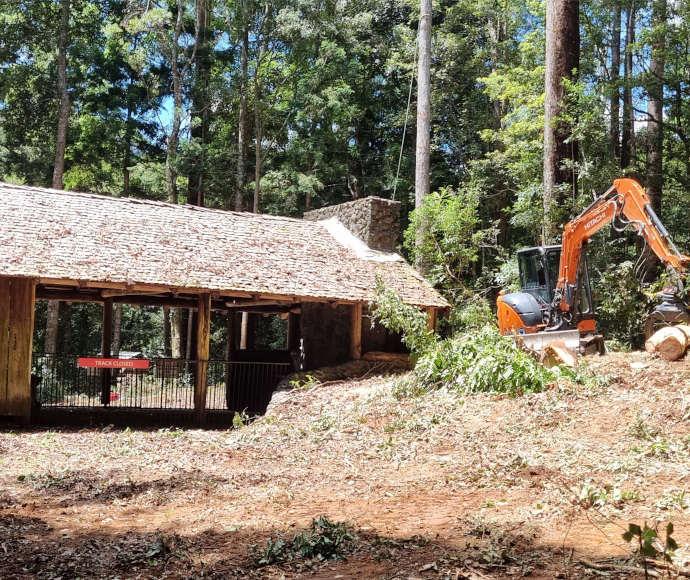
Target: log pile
670, 342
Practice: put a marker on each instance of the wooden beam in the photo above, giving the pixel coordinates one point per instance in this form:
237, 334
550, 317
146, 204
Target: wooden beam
245, 303
115, 293
203, 349
21, 330
134, 288
4, 343
72, 295
267, 309
356, 332
67, 295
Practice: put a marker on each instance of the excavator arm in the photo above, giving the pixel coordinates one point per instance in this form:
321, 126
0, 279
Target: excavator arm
627, 202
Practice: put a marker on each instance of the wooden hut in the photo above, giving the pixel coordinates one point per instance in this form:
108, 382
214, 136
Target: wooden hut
69, 246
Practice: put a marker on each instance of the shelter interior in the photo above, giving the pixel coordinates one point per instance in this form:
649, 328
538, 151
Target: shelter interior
51, 388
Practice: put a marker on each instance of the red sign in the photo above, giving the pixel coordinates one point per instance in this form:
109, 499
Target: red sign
113, 363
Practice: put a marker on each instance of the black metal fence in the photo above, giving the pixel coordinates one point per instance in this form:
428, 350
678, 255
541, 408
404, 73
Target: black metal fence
59, 381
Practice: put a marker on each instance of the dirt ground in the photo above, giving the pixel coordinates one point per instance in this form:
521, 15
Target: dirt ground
434, 486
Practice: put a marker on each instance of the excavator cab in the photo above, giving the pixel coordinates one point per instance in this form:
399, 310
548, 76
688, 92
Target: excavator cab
539, 271
528, 311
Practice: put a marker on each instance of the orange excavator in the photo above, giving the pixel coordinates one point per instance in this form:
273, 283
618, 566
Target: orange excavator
555, 302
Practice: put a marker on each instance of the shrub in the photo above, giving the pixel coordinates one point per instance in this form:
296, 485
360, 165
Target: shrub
621, 305
390, 310
478, 360
325, 540
483, 361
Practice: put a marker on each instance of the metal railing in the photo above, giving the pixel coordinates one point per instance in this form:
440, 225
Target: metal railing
166, 384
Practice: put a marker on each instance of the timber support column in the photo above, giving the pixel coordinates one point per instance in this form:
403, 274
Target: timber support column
356, 332
431, 319
203, 350
17, 302
106, 349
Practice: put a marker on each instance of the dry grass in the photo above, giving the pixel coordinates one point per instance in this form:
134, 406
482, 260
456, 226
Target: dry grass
436, 486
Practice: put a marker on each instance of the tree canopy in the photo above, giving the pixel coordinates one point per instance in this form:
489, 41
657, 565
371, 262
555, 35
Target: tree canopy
287, 105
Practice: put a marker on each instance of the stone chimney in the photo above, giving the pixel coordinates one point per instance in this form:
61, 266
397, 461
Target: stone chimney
374, 220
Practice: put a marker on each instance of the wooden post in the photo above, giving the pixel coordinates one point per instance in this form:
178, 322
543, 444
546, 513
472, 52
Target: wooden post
17, 301
4, 343
106, 348
203, 349
431, 318
356, 332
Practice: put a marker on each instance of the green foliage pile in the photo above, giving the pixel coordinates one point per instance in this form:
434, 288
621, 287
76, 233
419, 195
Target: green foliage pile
472, 361
483, 361
325, 540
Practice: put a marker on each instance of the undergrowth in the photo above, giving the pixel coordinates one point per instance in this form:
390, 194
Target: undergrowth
325, 540
483, 361
475, 361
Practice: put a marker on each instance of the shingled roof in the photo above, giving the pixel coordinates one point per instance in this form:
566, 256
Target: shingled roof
61, 235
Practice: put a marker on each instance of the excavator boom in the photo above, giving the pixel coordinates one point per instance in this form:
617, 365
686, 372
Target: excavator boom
550, 308
628, 202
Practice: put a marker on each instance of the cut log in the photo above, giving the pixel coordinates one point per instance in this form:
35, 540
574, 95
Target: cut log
557, 353
669, 342
685, 329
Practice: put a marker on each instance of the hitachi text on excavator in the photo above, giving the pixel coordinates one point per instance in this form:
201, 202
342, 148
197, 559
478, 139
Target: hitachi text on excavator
555, 301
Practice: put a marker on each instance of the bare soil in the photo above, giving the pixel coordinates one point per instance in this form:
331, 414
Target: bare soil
434, 486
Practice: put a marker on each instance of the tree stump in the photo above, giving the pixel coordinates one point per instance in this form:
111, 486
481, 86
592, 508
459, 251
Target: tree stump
670, 342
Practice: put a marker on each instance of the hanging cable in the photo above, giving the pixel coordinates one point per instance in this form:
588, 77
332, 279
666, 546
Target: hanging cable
407, 112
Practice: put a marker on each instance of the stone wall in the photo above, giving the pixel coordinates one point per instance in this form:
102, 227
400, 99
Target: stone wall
374, 220
325, 333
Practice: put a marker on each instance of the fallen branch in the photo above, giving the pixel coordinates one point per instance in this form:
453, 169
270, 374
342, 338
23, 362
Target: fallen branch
602, 567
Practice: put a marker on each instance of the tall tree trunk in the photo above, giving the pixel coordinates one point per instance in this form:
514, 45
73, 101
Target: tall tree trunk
655, 118
422, 183
63, 96
498, 32
655, 106
67, 328
174, 137
200, 105
177, 323
117, 330
176, 332
258, 121
562, 60
628, 134
52, 322
167, 345
127, 152
258, 132
245, 327
243, 122
53, 313
614, 129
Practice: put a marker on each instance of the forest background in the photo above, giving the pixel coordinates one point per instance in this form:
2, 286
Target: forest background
288, 105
